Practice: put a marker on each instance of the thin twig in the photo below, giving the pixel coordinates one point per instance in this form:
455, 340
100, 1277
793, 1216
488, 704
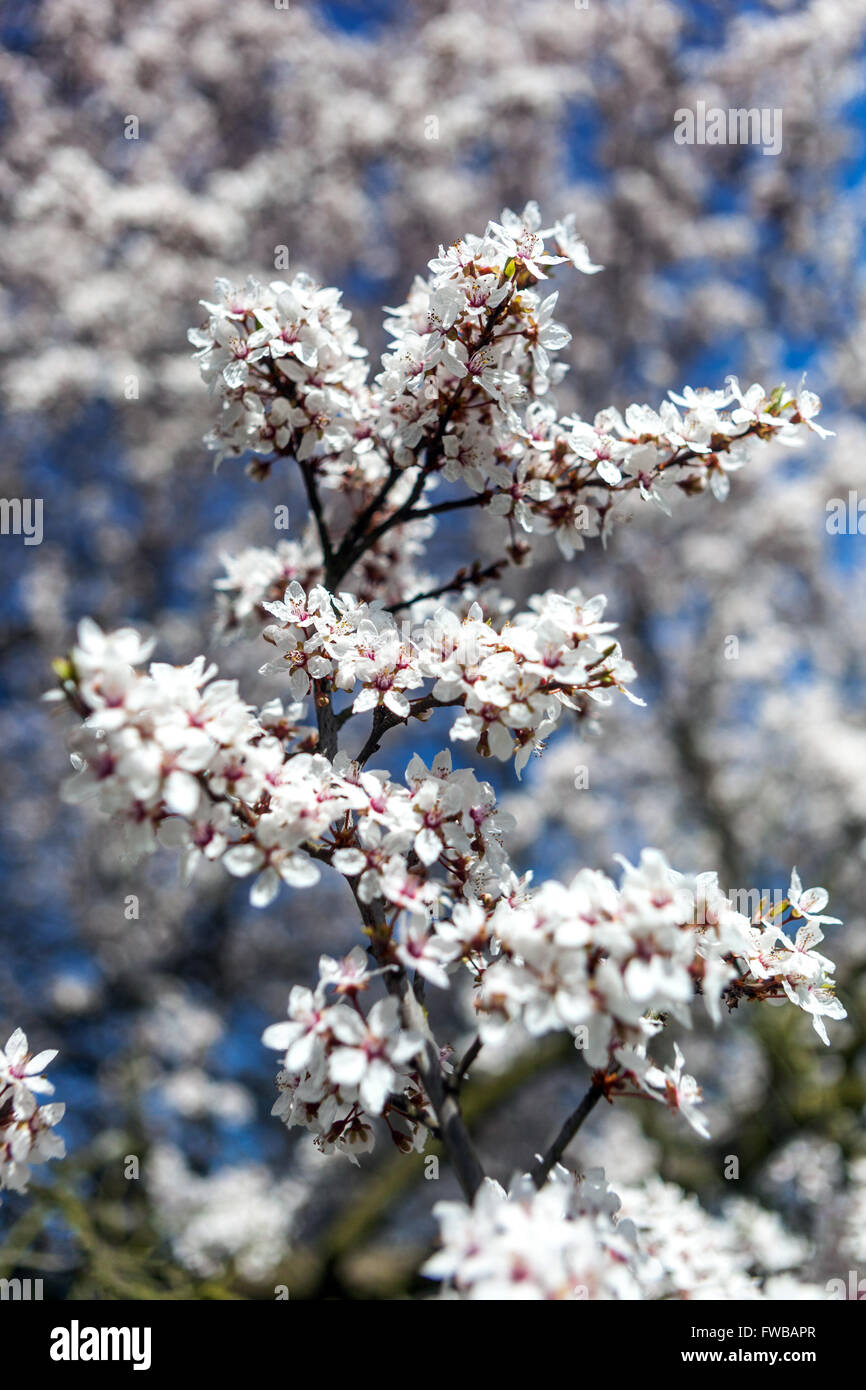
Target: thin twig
315, 502
459, 1076
543, 1165
477, 499
474, 575
384, 719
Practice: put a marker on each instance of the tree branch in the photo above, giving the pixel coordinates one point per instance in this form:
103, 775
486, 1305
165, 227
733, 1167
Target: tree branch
355, 544
456, 1081
543, 1165
328, 722
384, 719
454, 1134
315, 502
474, 575
362, 520
456, 504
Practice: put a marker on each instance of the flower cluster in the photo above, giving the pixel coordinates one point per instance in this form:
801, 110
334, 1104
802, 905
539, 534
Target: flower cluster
188, 765
341, 1067
175, 743
26, 1126
284, 361
609, 964
465, 392
465, 399
773, 961
557, 1243
444, 818
512, 682
475, 329
179, 758
576, 1239
477, 336
261, 574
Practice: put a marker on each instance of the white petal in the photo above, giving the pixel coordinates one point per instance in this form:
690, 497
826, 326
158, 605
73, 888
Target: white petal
241, 860
265, 888
347, 1065
181, 793
428, 846
278, 1035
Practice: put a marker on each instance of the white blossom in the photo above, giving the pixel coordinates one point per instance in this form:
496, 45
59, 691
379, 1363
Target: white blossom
27, 1126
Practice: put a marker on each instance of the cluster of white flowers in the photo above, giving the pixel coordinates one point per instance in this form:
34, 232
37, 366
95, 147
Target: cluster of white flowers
236, 1216
512, 683
26, 1126
609, 964
557, 1243
474, 326
173, 743
475, 333
444, 817
260, 574
341, 1067
576, 1239
284, 361
185, 764
465, 392
464, 397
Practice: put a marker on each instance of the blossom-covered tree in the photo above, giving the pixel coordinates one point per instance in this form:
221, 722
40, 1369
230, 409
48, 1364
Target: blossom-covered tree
134, 167
463, 405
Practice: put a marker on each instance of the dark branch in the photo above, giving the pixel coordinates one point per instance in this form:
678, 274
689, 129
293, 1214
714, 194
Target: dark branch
315, 502
455, 1136
543, 1165
474, 575
326, 719
384, 719
459, 1076
354, 543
